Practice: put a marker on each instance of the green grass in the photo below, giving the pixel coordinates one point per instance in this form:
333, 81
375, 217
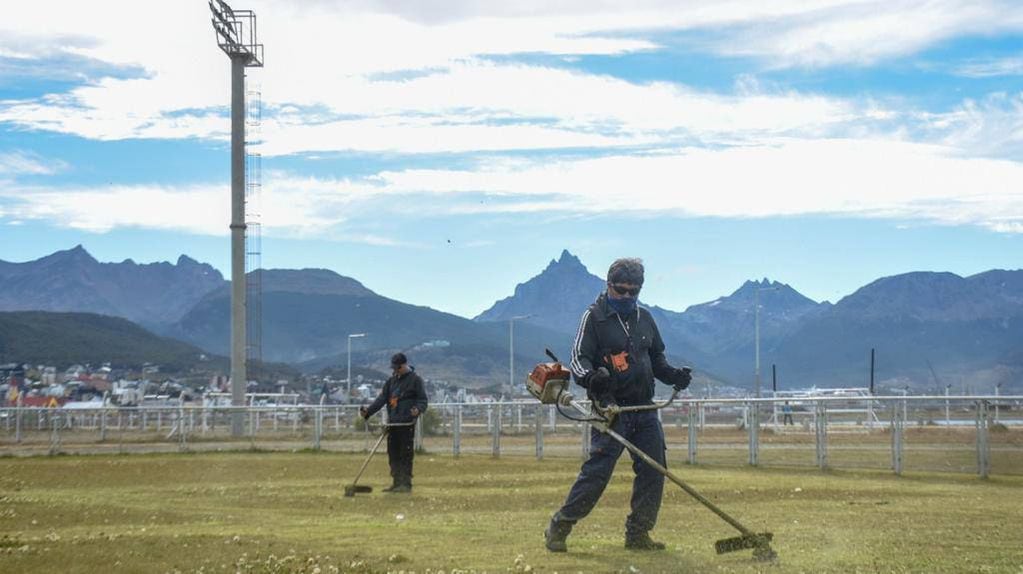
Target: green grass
284, 512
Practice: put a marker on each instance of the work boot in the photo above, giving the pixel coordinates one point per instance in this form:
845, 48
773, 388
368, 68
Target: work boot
389, 488
556, 534
642, 541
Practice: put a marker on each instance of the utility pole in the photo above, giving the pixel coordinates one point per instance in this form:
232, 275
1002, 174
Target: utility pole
236, 36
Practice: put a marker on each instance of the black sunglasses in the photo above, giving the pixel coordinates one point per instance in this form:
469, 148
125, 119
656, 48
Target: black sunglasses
622, 290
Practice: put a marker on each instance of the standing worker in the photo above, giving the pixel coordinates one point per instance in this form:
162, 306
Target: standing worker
617, 353
405, 397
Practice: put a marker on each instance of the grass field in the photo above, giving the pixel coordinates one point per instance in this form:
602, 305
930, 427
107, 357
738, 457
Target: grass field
283, 512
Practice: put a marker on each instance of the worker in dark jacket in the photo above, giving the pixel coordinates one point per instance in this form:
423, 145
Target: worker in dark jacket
617, 354
405, 397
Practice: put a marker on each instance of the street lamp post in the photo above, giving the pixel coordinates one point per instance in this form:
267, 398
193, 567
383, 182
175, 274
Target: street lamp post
349, 380
756, 337
511, 350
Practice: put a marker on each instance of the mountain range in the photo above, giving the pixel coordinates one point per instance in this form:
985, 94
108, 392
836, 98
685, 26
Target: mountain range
73, 280
929, 329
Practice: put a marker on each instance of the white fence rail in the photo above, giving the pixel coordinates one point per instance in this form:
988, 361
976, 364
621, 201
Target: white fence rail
981, 434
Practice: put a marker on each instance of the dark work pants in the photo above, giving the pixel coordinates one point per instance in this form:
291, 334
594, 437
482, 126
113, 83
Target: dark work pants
400, 452
643, 430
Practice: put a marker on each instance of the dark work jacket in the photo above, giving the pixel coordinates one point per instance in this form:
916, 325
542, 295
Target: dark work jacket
400, 394
601, 334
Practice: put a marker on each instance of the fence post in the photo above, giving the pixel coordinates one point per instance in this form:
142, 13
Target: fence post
897, 424
317, 426
55, 435
456, 444
753, 408
496, 423
553, 415
17, 420
821, 424
417, 441
983, 447
518, 418
103, 424
585, 441
181, 426
692, 434
539, 433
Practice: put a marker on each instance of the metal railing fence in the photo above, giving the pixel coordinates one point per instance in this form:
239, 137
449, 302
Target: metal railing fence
982, 434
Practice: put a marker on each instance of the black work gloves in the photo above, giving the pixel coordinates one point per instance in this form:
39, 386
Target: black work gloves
364, 412
598, 382
681, 378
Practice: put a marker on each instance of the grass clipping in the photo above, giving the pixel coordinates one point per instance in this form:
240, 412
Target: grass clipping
257, 512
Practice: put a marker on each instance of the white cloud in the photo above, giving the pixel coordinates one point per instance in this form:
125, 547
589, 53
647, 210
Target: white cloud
990, 68
328, 54
849, 178
495, 107
867, 31
801, 153
25, 163
990, 127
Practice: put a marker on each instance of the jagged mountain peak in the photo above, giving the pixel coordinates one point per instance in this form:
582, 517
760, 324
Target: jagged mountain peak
774, 295
76, 254
555, 298
567, 260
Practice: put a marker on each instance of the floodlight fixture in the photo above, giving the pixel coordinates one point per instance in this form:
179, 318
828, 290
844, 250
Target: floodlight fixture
236, 33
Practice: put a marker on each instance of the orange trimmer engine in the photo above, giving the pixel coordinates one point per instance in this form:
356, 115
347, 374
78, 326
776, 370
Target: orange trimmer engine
548, 381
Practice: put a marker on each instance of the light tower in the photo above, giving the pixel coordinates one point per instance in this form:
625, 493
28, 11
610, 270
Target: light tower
236, 36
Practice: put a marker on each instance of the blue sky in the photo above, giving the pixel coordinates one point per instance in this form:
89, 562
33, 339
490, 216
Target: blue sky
823, 144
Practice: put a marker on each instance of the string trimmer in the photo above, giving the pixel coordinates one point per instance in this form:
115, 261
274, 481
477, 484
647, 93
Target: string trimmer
353, 488
548, 383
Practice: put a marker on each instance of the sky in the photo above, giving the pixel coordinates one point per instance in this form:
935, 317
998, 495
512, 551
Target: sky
442, 152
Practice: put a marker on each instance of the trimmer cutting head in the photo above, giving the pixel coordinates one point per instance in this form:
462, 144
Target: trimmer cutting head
759, 543
351, 489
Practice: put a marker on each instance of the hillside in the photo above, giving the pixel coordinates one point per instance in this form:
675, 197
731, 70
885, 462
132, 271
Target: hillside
63, 339
308, 314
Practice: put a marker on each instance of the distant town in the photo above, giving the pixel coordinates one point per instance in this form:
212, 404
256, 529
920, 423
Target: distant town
86, 385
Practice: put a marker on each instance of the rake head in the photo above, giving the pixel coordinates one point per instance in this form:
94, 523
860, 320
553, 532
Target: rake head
759, 543
351, 489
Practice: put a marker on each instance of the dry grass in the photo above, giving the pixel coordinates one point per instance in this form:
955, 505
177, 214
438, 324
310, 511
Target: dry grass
283, 512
